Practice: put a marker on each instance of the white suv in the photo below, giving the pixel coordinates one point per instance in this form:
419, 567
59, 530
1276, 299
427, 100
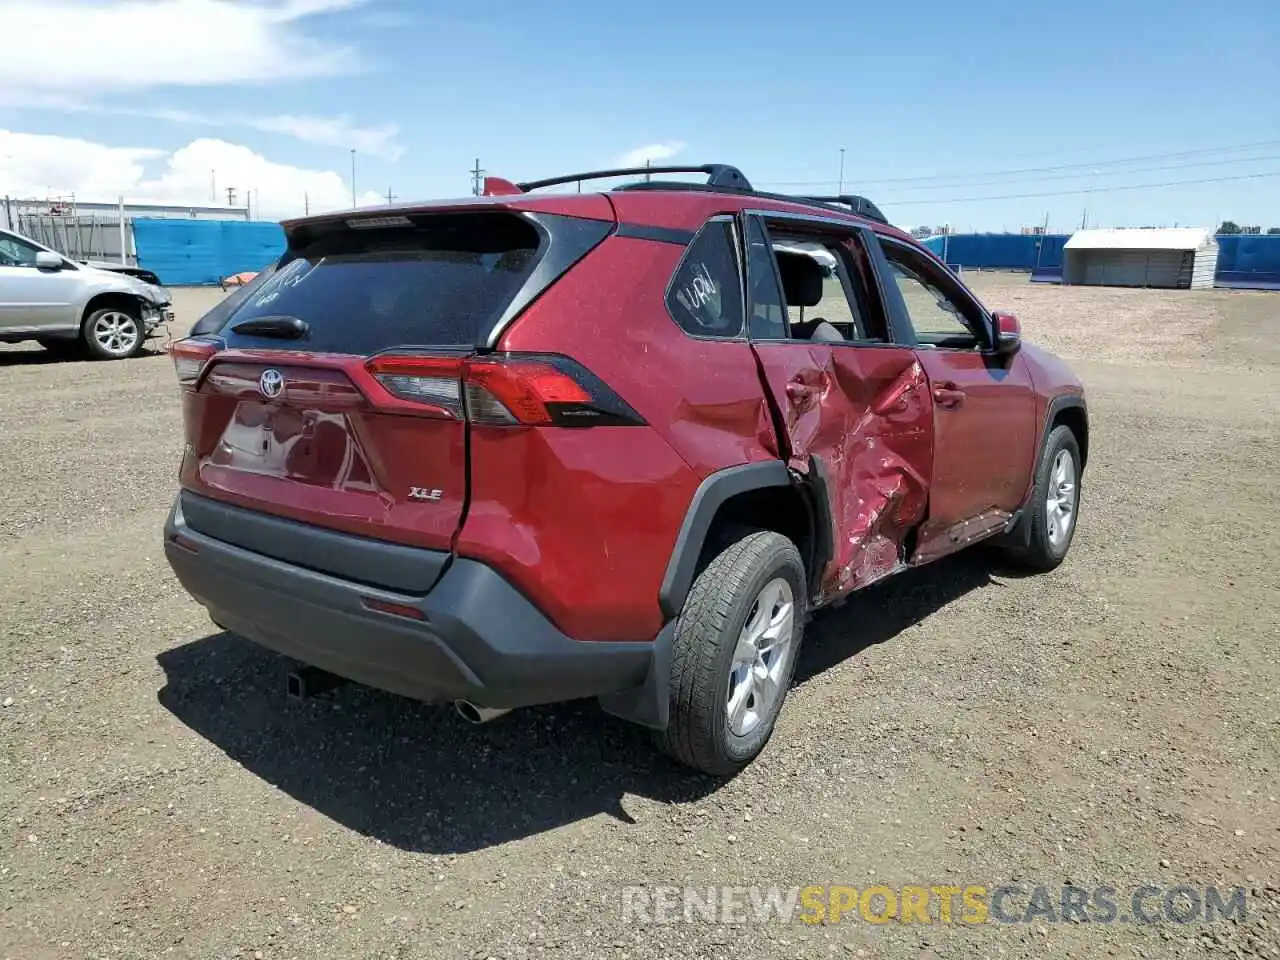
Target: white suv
69, 307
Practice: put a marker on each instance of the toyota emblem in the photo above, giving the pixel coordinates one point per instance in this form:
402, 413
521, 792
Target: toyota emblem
271, 383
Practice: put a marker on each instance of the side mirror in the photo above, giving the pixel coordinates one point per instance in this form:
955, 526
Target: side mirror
1008, 333
48, 261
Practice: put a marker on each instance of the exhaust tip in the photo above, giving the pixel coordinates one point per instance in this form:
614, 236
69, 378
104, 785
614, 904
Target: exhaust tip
473, 713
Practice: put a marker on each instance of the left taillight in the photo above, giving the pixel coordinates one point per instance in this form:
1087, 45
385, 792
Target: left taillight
434, 383
189, 357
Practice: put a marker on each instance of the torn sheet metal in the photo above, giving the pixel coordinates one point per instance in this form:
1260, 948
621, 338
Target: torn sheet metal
866, 413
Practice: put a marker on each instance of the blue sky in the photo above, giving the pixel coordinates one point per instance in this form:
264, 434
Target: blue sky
935, 103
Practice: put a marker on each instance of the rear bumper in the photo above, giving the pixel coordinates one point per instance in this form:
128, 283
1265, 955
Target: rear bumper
480, 639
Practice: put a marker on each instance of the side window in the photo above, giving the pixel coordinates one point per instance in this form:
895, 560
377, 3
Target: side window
768, 319
938, 318
705, 296
16, 253
826, 299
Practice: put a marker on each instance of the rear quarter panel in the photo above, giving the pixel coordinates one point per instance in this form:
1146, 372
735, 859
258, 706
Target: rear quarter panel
585, 521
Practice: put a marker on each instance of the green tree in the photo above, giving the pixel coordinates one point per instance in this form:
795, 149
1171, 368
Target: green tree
1229, 226
1273, 231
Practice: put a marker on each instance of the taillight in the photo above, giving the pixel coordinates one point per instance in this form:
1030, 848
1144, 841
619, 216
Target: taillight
508, 389
434, 382
189, 357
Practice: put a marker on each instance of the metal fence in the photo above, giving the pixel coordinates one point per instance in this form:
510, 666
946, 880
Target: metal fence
80, 237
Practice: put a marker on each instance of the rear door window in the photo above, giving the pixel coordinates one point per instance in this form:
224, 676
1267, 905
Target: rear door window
768, 320
438, 280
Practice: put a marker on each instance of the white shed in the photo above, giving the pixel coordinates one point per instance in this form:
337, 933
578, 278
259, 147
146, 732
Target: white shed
1167, 257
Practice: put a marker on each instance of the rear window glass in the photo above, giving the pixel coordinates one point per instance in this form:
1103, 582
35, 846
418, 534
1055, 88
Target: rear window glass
444, 280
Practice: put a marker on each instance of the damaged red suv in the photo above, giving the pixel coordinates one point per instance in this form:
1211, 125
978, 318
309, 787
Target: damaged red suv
537, 446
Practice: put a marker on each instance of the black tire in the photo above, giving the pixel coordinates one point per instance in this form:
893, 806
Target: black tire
63, 349
707, 634
1045, 552
100, 348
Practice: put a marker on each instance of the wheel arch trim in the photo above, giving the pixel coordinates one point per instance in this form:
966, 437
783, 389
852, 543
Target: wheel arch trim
712, 493
1066, 401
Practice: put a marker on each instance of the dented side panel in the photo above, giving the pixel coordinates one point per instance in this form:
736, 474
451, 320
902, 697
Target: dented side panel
866, 413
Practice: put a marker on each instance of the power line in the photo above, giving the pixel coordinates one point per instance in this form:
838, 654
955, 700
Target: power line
1097, 173
1049, 169
1113, 189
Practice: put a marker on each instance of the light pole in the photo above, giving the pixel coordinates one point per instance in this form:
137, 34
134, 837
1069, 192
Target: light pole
353, 177
840, 188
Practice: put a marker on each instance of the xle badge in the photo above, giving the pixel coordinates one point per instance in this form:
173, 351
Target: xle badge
423, 493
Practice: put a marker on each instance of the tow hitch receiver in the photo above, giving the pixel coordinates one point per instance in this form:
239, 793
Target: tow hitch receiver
311, 681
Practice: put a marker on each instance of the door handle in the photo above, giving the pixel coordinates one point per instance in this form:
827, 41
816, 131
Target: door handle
948, 395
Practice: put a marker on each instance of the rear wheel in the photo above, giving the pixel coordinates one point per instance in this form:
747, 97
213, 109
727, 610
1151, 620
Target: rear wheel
113, 334
734, 653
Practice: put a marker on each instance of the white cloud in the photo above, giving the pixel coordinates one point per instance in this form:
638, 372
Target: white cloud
36, 165
380, 141
341, 131
58, 47
651, 153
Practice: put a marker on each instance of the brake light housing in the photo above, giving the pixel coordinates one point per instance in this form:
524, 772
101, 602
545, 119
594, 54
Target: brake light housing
504, 389
189, 358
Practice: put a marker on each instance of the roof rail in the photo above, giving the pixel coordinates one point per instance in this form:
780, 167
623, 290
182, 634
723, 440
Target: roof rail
718, 175
860, 205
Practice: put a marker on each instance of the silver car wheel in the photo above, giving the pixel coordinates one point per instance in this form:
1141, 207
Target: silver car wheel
761, 658
1060, 504
116, 333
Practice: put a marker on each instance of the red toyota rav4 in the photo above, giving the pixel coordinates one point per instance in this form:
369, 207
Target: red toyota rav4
530, 447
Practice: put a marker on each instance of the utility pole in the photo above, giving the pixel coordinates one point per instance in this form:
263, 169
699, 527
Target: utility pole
391, 197
231, 196
353, 177
1084, 218
306, 204
477, 185
213, 186
840, 189
648, 177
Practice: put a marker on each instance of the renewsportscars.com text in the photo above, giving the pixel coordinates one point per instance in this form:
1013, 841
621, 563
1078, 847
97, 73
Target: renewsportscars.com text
931, 903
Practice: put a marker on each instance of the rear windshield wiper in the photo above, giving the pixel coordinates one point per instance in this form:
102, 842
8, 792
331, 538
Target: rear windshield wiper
281, 327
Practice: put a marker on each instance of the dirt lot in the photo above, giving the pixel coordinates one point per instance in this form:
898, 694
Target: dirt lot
1114, 723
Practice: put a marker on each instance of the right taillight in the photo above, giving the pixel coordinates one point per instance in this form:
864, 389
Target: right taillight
506, 389
189, 357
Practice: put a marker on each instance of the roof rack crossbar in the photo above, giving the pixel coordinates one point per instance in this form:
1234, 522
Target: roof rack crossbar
860, 205
718, 175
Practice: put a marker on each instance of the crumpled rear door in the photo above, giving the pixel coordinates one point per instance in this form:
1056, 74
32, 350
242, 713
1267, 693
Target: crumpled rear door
860, 418
856, 422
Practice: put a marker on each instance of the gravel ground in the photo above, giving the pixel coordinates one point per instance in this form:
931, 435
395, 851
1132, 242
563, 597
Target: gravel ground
1116, 722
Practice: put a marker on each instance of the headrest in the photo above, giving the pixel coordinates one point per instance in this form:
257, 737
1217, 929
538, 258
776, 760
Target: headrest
801, 279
